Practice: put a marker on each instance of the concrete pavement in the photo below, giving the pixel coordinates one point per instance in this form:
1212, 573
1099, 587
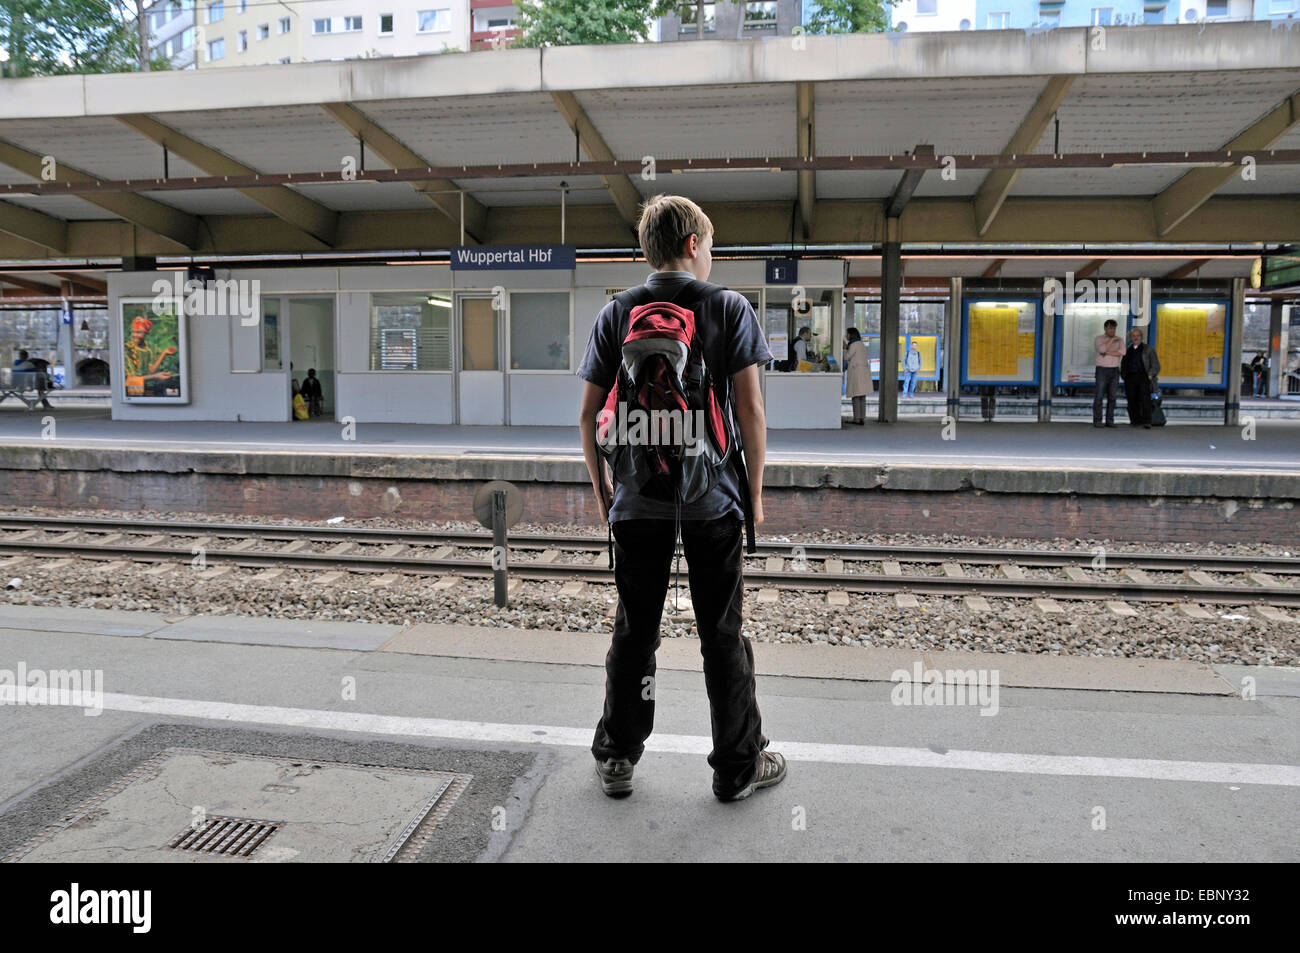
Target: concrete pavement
1188, 771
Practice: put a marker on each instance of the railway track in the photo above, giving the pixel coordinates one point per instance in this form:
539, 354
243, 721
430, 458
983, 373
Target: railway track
949, 571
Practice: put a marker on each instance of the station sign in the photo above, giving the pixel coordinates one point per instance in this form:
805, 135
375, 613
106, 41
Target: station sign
513, 257
782, 271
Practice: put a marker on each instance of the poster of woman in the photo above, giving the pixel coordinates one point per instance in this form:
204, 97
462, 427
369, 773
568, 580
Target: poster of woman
154, 365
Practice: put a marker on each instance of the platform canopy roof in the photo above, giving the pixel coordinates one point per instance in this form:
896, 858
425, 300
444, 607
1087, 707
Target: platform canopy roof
1130, 134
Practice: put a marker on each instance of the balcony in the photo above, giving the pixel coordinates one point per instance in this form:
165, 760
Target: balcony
486, 39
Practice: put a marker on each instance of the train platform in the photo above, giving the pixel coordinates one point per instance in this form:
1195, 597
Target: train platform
200, 710
1187, 482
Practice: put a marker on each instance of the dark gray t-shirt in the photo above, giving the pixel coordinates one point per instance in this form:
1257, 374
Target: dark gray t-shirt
732, 340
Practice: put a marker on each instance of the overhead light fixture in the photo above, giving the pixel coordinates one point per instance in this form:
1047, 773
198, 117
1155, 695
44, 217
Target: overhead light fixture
436, 302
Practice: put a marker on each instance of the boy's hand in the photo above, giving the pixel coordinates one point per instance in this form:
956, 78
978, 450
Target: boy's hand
757, 506
604, 494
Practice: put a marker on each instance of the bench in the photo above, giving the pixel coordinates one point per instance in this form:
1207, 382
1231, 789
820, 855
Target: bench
30, 387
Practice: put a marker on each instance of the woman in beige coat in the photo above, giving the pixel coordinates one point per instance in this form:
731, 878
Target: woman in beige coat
858, 373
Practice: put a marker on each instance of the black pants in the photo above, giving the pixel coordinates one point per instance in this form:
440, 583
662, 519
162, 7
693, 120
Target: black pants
1137, 391
643, 556
1107, 379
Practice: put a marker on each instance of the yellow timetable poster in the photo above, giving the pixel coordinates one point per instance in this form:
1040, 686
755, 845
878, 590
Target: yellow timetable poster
928, 345
993, 349
1026, 344
1189, 342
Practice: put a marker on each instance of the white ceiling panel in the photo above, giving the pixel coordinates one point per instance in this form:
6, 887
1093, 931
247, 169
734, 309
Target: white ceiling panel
1143, 181
208, 202
103, 147
715, 121
63, 206
1194, 111
478, 130
280, 139
891, 117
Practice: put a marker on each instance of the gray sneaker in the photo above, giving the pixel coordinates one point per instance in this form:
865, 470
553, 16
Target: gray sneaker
615, 776
771, 770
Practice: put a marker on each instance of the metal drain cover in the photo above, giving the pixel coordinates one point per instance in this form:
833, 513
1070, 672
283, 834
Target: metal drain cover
193, 805
229, 836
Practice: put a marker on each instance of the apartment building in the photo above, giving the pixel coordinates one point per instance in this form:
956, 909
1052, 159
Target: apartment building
260, 32
925, 15
727, 20
171, 31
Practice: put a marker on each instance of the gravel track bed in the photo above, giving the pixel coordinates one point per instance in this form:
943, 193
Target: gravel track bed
1235, 635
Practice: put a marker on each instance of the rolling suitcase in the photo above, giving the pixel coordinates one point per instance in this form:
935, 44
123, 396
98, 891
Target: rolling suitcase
1157, 411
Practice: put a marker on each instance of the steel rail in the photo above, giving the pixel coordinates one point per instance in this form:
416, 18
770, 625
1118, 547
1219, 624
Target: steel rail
815, 581
1161, 562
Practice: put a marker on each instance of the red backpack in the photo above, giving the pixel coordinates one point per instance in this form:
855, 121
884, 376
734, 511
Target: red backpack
666, 427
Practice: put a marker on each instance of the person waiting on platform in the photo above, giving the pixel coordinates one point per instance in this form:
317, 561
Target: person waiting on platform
1139, 368
23, 364
1109, 350
803, 350
988, 402
311, 392
1259, 368
858, 376
911, 367
299, 405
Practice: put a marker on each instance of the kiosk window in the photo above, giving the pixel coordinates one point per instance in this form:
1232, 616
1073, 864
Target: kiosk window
539, 331
410, 332
785, 315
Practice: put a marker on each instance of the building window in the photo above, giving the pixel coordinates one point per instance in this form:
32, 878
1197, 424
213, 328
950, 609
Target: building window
242, 43
410, 332
217, 49
282, 25
323, 25
216, 11
1049, 14
284, 60
434, 21
758, 15
243, 6
385, 24
927, 8
1153, 13
999, 21
1216, 8
264, 31
1281, 6
689, 13
539, 331
188, 38
1101, 16
965, 25
351, 24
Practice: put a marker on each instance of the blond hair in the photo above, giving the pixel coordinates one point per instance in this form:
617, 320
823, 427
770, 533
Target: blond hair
666, 222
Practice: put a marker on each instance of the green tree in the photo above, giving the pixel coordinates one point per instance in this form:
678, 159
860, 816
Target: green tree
849, 16
48, 37
573, 22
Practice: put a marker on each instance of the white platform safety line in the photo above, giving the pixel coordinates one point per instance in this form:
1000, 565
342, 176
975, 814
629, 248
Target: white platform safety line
1210, 772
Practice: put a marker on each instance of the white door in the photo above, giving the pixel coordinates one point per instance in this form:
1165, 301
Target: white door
480, 368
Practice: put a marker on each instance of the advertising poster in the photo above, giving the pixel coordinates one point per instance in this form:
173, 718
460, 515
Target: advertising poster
1190, 338
154, 366
1080, 324
1001, 338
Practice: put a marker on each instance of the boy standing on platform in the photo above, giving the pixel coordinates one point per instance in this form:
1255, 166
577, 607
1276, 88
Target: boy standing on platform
677, 239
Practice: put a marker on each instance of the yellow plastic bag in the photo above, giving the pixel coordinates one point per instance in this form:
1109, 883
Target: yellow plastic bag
803, 366
299, 407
